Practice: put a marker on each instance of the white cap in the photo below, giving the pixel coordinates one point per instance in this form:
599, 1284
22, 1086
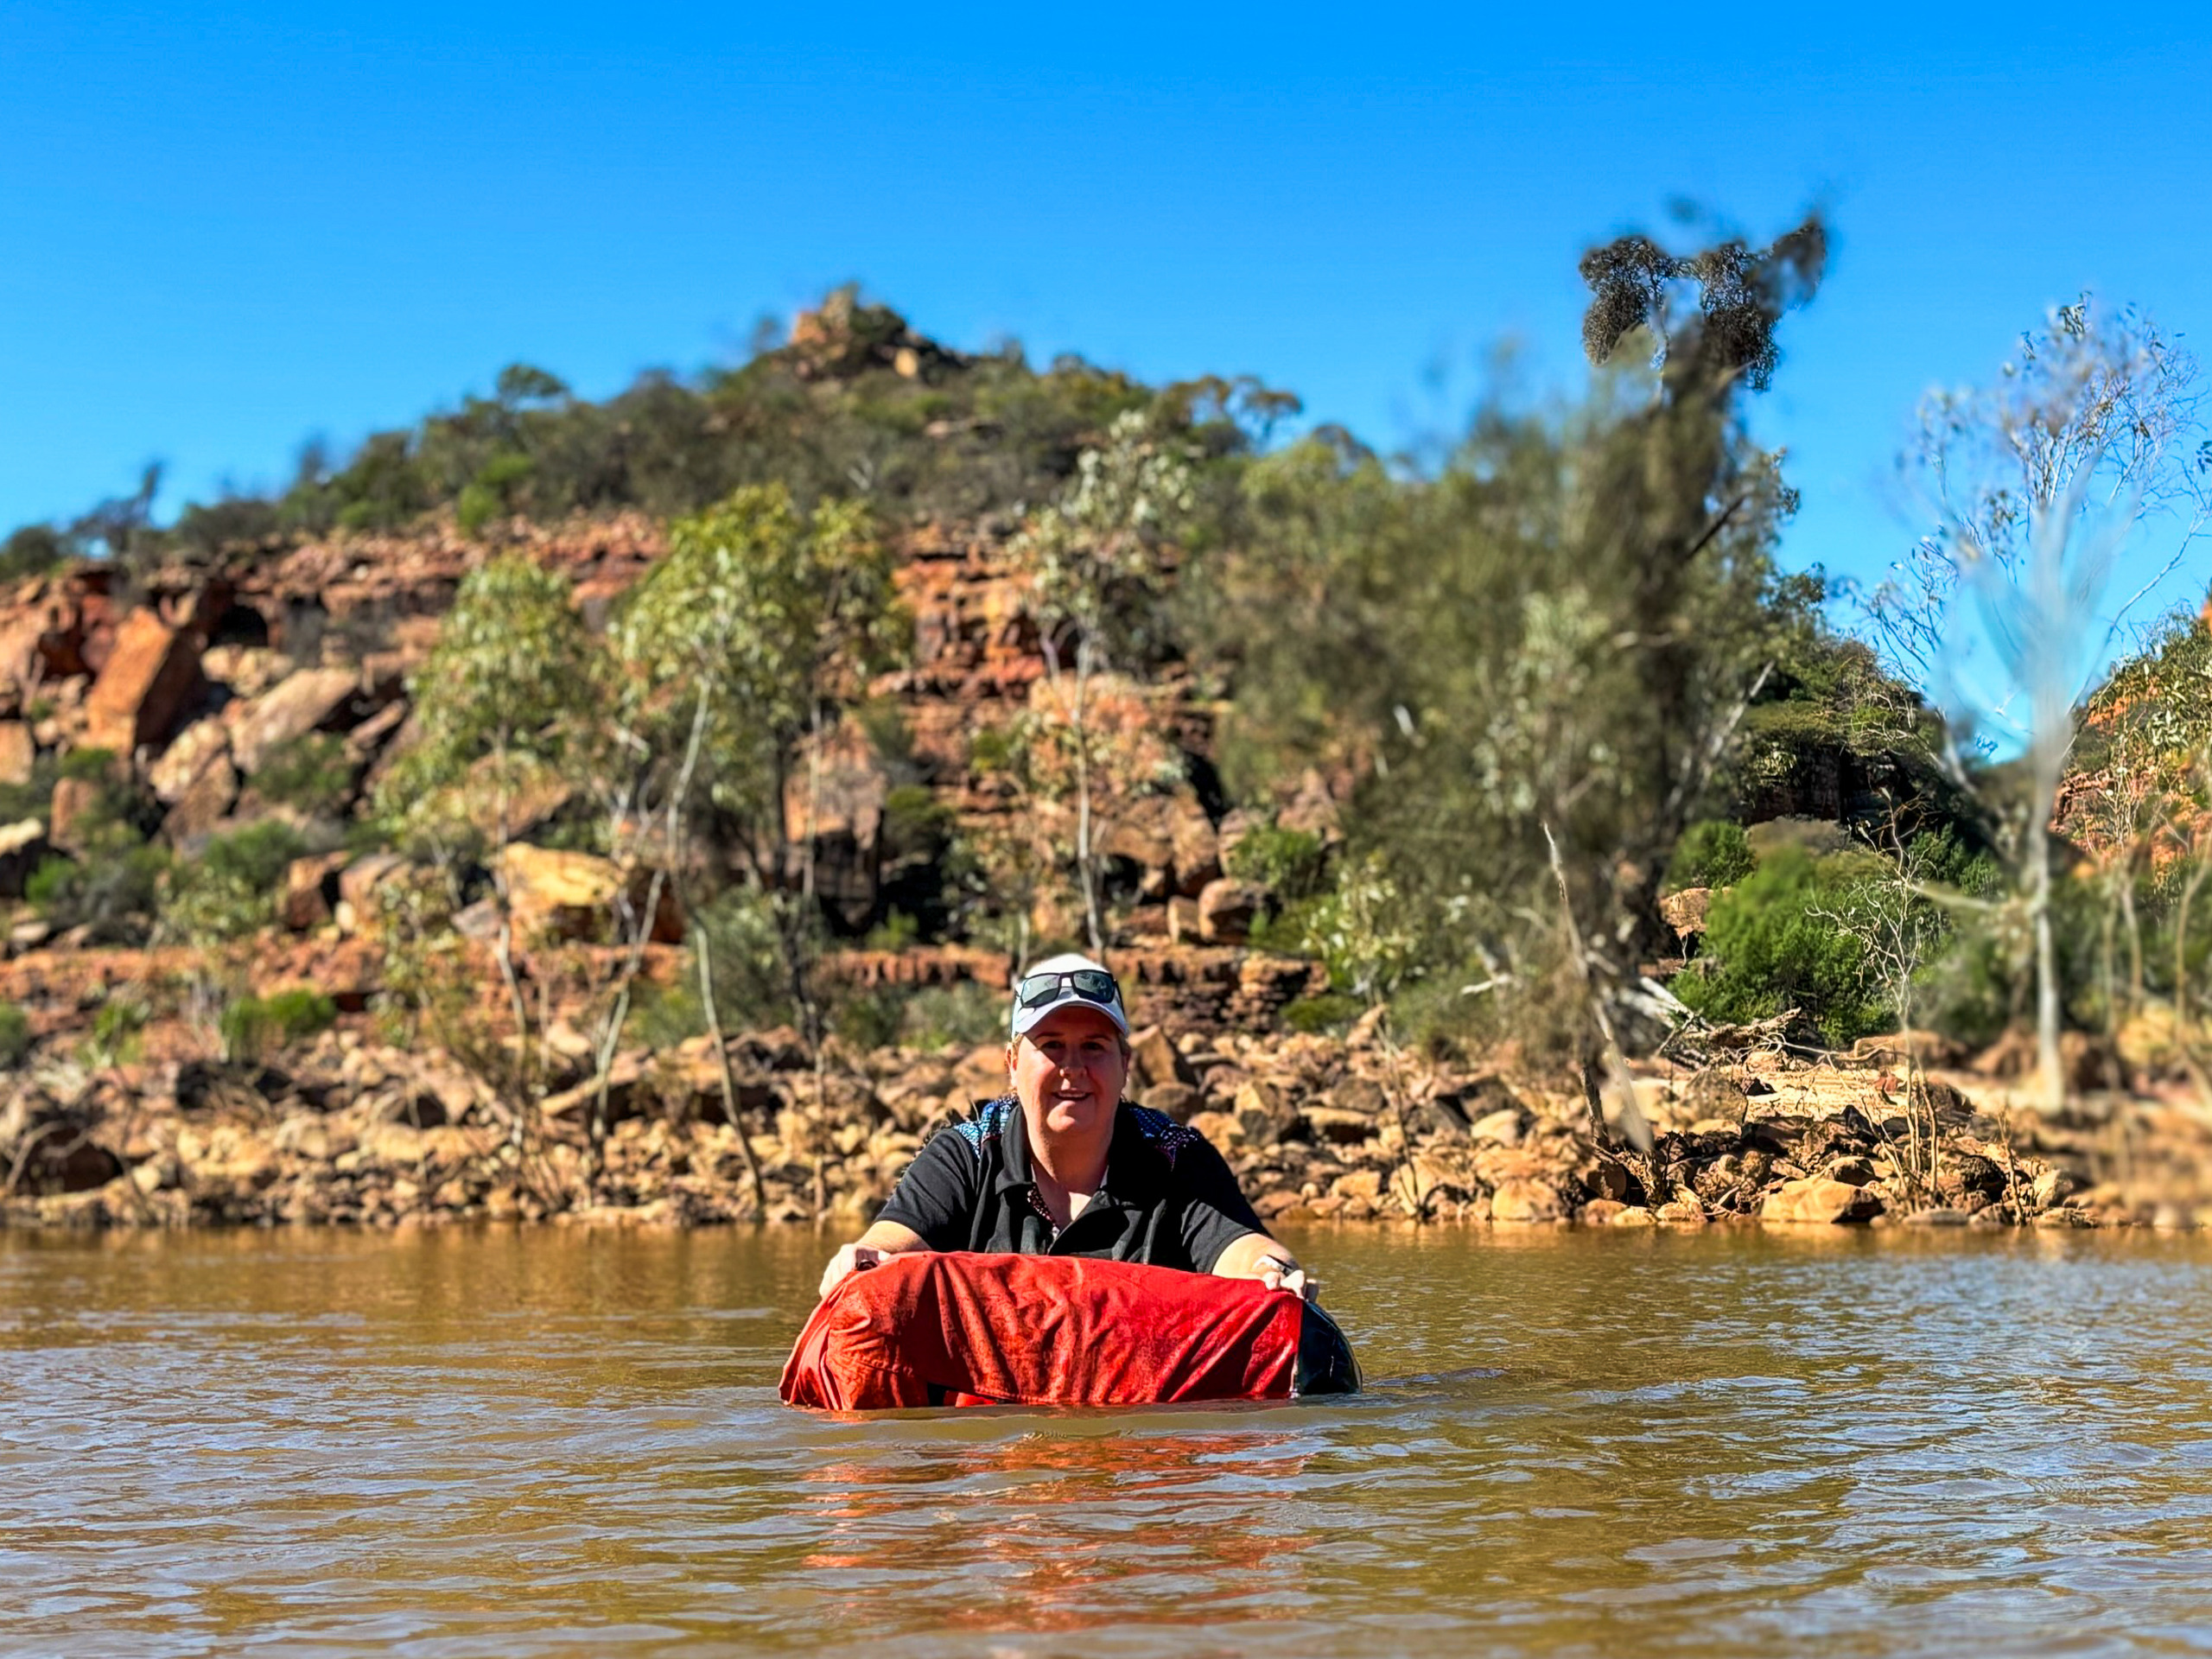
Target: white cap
1026, 1020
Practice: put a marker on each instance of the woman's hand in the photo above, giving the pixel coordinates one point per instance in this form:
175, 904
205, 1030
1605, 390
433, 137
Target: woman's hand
850, 1259
1257, 1256
883, 1240
1276, 1274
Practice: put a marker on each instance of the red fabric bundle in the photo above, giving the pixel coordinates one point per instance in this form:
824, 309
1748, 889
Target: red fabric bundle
958, 1328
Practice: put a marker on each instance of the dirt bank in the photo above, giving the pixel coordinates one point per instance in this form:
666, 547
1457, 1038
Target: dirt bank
348, 1130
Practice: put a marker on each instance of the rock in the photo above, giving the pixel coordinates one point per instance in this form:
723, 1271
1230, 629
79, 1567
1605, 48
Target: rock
291, 708
1219, 1128
248, 670
1152, 1059
1363, 1184
1854, 1172
1522, 1200
1500, 1128
2053, 1186
1177, 1100
206, 801
572, 895
2085, 1061
357, 886
1182, 921
1634, 1214
72, 799
1895, 1051
1259, 1120
1938, 1217
1227, 910
1818, 1200
29, 935
18, 752
198, 748
23, 847
150, 679
1335, 1126
1685, 912
1680, 1212
1600, 1212
310, 890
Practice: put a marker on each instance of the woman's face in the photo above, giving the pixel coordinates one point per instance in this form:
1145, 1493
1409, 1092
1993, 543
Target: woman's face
1068, 1071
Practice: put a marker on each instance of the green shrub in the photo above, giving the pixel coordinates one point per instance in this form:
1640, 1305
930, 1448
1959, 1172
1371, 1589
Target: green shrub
32, 551
14, 1035
230, 890
1713, 853
941, 1016
115, 1028
1983, 978
870, 1019
311, 772
1292, 864
253, 1026
88, 765
116, 893
475, 508
1327, 1012
1775, 941
895, 932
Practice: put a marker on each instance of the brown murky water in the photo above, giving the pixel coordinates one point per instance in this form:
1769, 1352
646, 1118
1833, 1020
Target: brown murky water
518, 1443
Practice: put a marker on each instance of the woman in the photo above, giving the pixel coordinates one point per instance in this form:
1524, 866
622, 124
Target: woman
1062, 1166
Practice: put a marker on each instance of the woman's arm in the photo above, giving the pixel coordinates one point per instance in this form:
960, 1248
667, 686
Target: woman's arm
882, 1239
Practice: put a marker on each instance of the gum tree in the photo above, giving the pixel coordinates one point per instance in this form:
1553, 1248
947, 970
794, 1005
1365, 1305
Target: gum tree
2086, 441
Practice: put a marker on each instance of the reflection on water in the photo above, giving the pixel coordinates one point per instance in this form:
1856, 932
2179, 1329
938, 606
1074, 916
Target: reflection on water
524, 1442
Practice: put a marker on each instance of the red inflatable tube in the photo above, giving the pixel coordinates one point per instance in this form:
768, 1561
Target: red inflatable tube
959, 1328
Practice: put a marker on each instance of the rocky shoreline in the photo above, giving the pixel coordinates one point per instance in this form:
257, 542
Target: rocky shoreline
350, 1131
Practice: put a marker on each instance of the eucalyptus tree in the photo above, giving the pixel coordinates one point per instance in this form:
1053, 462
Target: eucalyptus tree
2087, 441
1097, 563
502, 704
732, 654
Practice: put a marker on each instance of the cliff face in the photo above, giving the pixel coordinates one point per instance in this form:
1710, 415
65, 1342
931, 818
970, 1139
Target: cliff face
202, 680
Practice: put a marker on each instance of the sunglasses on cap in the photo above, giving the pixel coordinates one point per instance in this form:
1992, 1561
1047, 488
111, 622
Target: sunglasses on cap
1091, 984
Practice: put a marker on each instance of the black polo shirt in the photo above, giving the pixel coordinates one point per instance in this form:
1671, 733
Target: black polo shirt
1167, 1199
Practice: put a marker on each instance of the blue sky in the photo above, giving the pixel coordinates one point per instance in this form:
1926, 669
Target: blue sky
223, 228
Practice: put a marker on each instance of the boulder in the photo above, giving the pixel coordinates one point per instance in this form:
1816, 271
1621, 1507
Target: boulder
1227, 910
1152, 1059
1334, 1126
1685, 912
1522, 1200
1817, 1201
1177, 1100
310, 890
572, 895
198, 748
291, 708
1895, 1051
72, 799
21, 847
1197, 847
18, 752
150, 680
357, 886
1502, 1127
1363, 1185
206, 802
